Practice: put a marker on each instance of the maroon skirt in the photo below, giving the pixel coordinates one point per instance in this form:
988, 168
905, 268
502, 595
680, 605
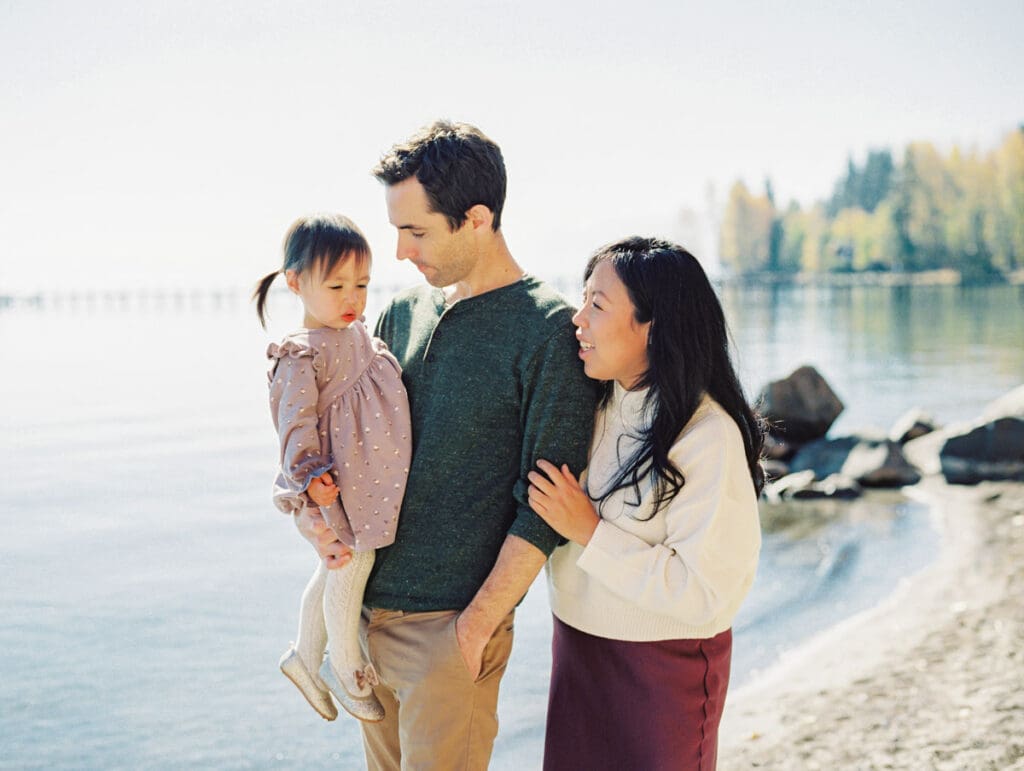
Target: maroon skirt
616, 705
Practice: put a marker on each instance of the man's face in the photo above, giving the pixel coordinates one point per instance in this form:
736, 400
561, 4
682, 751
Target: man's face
443, 257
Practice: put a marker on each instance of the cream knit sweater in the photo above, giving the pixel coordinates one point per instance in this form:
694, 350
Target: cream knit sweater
681, 574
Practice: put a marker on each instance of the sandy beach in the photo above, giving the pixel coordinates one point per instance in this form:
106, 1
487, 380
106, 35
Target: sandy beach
933, 678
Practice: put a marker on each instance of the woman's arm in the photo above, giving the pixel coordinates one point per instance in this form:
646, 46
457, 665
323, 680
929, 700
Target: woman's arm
712, 535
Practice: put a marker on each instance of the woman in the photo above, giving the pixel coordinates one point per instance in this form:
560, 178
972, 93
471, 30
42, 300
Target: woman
663, 525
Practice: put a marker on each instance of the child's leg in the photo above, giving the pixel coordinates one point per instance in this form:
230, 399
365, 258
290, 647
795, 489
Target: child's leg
301, 662
311, 639
343, 604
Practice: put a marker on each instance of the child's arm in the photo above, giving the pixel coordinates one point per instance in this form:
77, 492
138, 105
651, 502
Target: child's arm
293, 402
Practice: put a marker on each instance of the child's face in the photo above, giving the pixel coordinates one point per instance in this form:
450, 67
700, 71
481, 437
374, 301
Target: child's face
334, 300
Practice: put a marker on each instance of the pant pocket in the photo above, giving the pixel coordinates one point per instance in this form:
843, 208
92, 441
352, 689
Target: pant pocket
497, 650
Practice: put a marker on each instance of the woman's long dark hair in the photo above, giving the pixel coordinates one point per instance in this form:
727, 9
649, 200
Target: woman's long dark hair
688, 356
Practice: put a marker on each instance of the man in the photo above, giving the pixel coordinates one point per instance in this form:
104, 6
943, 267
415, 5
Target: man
495, 383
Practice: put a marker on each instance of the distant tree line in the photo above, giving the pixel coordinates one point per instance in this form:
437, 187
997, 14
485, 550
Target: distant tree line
963, 211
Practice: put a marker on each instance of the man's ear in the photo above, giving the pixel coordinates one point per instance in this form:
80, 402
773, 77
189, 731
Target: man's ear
292, 279
479, 216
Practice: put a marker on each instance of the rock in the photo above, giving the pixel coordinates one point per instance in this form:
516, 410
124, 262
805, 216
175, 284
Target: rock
824, 456
801, 407
870, 460
838, 486
777, 449
774, 469
912, 425
879, 464
1009, 405
783, 489
923, 452
990, 451
803, 486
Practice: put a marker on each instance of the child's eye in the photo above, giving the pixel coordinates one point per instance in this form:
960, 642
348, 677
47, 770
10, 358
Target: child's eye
596, 305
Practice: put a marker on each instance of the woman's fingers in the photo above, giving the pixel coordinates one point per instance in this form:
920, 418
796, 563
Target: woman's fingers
569, 477
541, 482
537, 500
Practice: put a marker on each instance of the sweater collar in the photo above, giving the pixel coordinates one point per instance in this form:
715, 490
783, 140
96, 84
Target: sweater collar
629, 405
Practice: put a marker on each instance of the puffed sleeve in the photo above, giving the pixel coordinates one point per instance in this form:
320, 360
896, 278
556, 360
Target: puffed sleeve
713, 537
293, 404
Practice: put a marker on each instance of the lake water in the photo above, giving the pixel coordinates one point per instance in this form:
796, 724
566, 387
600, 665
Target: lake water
148, 586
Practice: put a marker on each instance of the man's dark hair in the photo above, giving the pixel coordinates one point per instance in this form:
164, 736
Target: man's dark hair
458, 166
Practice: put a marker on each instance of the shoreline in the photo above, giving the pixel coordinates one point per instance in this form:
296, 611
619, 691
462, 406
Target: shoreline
928, 678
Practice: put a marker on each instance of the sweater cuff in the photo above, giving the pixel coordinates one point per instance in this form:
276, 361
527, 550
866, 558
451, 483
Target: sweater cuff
531, 528
598, 556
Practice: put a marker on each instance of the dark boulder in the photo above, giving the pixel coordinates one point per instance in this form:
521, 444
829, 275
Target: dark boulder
871, 461
801, 407
993, 450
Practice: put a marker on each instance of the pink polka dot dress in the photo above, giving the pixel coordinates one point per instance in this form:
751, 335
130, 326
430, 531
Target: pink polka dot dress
339, 405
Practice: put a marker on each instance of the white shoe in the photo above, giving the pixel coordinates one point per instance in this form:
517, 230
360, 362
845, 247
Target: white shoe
319, 699
365, 708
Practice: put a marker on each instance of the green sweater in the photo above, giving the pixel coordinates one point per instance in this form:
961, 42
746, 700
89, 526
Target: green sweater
495, 383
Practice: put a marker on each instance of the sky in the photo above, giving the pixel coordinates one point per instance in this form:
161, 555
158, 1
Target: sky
155, 144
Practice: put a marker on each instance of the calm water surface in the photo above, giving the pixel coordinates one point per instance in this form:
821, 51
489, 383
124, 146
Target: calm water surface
149, 586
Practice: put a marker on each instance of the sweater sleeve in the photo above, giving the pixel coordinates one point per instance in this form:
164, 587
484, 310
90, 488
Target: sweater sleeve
558, 418
293, 401
712, 539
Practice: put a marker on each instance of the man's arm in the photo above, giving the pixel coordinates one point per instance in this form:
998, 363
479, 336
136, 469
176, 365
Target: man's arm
518, 563
559, 415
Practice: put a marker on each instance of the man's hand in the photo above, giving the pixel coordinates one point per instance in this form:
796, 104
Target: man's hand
314, 529
518, 563
322, 490
472, 638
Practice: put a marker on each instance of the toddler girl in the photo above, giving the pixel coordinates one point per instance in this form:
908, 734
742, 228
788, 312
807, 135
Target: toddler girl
342, 415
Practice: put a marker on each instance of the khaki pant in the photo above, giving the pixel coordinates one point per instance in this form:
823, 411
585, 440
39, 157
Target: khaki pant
437, 716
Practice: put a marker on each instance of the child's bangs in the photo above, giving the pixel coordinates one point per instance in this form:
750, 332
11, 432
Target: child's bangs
325, 262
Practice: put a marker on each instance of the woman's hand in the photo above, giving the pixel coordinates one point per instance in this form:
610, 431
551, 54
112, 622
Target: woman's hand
556, 497
322, 490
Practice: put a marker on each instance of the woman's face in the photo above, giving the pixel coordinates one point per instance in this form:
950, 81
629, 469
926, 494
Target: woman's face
613, 345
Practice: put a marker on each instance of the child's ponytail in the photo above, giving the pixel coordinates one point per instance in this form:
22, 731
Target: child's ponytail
260, 296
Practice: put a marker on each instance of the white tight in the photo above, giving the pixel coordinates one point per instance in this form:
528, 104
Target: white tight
329, 618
